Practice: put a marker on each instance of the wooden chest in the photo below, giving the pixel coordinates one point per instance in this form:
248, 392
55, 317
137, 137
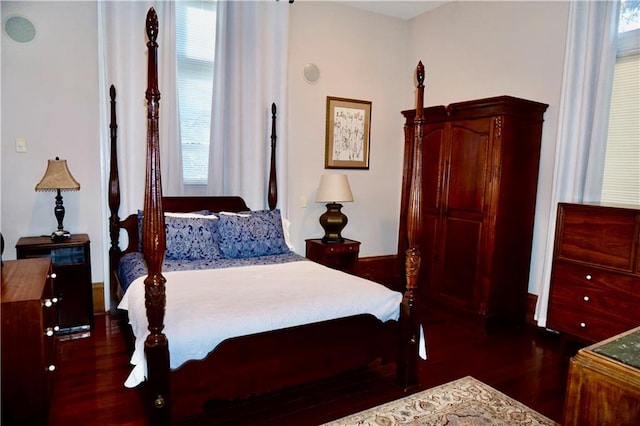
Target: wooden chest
604, 383
595, 280
28, 340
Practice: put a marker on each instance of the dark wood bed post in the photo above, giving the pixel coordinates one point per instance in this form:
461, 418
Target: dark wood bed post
273, 186
408, 366
153, 246
114, 202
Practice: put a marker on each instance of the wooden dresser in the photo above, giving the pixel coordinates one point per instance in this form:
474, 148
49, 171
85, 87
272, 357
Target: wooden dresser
603, 387
479, 184
28, 340
595, 278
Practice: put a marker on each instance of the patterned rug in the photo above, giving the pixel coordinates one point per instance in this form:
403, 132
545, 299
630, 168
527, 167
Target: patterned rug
465, 401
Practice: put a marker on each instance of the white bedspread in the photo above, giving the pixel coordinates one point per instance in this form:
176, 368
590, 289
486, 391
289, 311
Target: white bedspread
205, 307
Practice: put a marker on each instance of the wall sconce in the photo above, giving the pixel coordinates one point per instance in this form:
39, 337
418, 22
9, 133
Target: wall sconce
333, 190
58, 178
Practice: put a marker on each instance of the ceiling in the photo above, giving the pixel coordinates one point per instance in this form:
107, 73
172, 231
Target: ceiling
397, 9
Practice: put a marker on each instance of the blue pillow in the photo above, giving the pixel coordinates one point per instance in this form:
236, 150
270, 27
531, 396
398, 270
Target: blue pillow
257, 233
189, 236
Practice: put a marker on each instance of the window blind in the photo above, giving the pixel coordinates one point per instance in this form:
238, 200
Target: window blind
621, 180
195, 48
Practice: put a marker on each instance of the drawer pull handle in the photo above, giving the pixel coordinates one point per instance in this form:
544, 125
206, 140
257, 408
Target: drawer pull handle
588, 277
583, 325
49, 332
586, 298
50, 302
53, 275
56, 328
51, 367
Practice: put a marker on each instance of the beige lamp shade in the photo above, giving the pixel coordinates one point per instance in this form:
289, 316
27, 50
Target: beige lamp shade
57, 176
334, 188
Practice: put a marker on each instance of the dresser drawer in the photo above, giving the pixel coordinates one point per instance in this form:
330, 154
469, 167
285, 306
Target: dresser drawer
586, 325
592, 303
597, 235
604, 292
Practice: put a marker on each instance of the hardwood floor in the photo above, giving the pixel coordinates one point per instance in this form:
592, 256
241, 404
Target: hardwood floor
528, 364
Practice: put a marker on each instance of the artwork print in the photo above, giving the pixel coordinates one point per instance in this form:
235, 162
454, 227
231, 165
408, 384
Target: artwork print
347, 133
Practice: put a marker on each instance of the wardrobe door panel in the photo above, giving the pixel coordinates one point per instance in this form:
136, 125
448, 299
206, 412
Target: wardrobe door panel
432, 160
459, 261
468, 166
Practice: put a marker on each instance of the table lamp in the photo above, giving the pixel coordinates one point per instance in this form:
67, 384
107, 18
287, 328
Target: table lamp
333, 190
58, 178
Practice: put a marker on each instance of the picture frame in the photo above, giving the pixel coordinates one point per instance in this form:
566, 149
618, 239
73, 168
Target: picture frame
348, 129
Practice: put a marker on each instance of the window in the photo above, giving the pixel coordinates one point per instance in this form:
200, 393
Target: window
621, 181
195, 45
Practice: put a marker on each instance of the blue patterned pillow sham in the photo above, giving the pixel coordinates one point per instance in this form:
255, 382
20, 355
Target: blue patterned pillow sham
257, 233
190, 236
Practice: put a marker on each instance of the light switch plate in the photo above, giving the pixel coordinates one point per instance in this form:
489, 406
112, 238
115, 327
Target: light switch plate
21, 145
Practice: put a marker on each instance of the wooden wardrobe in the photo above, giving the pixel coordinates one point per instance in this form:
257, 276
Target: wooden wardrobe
480, 174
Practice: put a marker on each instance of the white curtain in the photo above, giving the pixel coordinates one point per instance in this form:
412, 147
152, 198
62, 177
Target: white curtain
123, 63
250, 73
582, 127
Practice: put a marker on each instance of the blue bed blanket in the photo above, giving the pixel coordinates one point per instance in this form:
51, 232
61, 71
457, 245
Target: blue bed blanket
132, 265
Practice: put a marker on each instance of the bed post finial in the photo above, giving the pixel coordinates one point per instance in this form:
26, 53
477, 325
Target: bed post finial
152, 25
408, 371
273, 184
420, 73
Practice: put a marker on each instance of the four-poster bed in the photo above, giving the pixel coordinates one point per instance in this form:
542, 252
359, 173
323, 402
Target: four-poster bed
250, 363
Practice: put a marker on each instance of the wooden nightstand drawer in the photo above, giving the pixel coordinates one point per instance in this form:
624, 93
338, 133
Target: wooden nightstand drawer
342, 248
342, 256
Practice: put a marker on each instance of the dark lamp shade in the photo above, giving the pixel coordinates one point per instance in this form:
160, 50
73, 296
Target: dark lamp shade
57, 176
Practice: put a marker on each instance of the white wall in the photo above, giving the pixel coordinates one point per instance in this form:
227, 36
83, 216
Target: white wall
50, 97
361, 55
470, 50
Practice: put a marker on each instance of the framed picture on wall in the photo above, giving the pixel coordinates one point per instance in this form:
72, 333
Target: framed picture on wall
347, 134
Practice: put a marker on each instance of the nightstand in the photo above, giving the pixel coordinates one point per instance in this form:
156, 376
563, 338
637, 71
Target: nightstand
342, 256
71, 262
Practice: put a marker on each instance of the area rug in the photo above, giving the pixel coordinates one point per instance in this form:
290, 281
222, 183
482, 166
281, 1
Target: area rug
465, 401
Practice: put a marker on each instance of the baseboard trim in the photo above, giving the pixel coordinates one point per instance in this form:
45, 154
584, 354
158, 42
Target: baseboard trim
98, 298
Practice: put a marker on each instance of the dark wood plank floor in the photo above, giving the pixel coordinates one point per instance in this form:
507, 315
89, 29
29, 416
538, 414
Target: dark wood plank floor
528, 364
